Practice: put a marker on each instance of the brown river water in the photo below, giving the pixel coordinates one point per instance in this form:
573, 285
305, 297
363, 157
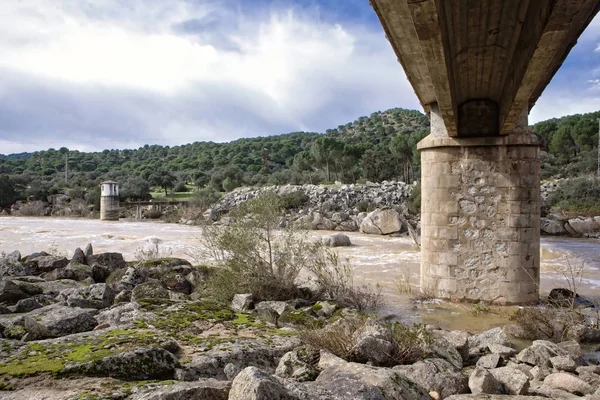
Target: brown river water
375, 259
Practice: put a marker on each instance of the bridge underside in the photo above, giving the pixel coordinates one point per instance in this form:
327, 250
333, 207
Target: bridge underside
478, 67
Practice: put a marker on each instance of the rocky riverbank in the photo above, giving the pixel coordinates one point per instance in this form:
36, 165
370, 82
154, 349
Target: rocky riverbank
96, 326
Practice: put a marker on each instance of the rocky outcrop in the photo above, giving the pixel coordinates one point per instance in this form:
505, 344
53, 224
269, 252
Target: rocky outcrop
318, 207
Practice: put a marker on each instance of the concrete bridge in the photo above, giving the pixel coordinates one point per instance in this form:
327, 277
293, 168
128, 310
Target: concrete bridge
478, 67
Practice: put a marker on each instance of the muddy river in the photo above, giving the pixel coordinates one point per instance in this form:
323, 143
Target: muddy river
375, 259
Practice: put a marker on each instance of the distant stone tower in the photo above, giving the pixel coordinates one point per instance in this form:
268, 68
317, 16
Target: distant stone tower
109, 201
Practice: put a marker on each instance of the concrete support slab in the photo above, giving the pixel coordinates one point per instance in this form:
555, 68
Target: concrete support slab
480, 218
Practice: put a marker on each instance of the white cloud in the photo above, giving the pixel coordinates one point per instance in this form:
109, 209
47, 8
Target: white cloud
279, 67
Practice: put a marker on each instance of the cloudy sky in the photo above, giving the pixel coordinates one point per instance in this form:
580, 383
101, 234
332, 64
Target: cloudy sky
95, 74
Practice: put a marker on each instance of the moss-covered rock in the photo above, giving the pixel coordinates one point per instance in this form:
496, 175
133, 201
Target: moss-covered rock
138, 364
151, 290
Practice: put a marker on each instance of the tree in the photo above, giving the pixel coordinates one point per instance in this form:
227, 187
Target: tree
8, 195
135, 188
163, 179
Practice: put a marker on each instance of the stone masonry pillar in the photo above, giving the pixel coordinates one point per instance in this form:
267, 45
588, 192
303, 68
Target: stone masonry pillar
480, 215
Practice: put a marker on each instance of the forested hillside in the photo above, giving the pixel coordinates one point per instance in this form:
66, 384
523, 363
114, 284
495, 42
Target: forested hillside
375, 148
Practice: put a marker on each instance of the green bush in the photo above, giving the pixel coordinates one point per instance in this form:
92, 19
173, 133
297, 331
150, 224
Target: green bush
414, 200
365, 206
580, 195
293, 200
180, 187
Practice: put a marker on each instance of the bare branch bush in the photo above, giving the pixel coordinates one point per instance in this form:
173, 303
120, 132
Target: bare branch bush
152, 251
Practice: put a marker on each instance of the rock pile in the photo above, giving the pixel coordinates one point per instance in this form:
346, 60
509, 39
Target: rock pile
341, 208
100, 317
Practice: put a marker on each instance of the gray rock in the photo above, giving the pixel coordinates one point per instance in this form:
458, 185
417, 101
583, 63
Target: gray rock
89, 251
79, 272
502, 351
489, 361
26, 305
56, 321
513, 381
563, 363
231, 371
260, 353
242, 302
457, 339
254, 384
336, 240
78, 256
358, 381
540, 352
209, 389
552, 226
100, 273
123, 315
437, 375
482, 381
481, 342
270, 311
381, 222
373, 345
53, 288
138, 364
49, 263
299, 364
112, 261
540, 373
98, 296
10, 292
152, 290
124, 296
569, 383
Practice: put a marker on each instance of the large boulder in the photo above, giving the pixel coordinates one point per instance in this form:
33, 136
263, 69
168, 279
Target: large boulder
336, 240
540, 353
513, 381
382, 222
138, 364
359, 381
584, 226
437, 375
99, 296
568, 382
160, 268
111, 261
254, 384
11, 265
299, 364
480, 342
151, 290
552, 226
57, 320
242, 302
205, 389
482, 381
49, 263
10, 292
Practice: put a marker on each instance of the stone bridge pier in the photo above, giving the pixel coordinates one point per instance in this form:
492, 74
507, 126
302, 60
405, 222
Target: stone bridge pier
478, 67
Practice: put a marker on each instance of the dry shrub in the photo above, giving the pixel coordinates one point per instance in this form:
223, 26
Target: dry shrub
407, 344
336, 280
422, 294
32, 209
340, 337
546, 323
